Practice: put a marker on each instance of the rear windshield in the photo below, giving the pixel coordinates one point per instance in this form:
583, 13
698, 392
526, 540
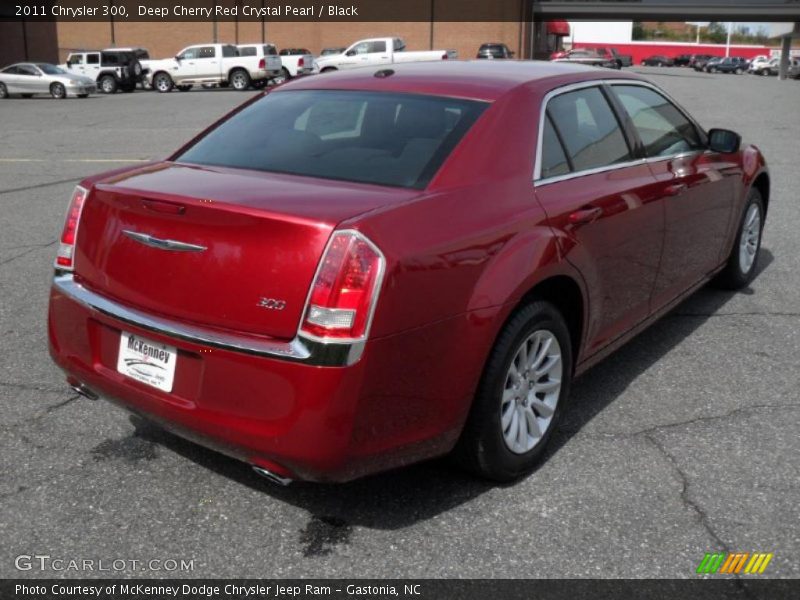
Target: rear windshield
370, 137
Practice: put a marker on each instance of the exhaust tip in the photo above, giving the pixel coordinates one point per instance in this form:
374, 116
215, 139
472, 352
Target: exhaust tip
84, 391
273, 477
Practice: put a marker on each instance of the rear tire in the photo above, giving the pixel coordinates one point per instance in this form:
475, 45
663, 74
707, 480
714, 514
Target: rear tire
239, 80
58, 91
108, 84
163, 83
3, 91
282, 78
743, 259
522, 392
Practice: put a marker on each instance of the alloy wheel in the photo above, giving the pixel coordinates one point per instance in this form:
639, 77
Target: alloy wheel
750, 238
531, 391
239, 81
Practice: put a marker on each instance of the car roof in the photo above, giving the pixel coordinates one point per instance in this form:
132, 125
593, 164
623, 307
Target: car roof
473, 79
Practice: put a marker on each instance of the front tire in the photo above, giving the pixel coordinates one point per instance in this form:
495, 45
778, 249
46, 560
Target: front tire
58, 91
3, 91
743, 260
523, 389
163, 83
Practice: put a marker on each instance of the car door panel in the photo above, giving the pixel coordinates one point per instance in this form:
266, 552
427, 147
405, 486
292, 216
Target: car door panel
697, 191
693, 184
610, 227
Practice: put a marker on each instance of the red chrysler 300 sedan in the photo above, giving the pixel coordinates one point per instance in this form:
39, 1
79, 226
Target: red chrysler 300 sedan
361, 270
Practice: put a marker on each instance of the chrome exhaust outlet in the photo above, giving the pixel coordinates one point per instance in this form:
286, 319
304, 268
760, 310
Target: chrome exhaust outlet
84, 391
273, 477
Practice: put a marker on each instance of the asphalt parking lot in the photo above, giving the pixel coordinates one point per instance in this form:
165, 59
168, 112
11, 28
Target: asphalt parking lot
684, 442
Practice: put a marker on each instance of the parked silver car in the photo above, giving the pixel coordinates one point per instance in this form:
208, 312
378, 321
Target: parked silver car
28, 79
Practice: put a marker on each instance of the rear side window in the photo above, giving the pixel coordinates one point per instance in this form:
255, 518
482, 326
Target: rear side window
663, 128
227, 52
248, 51
589, 129
270, 50
554, 160
369, 137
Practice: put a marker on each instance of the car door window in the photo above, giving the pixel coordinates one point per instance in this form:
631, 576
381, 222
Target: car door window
27, 70
589, 129
75, 59
554, 160
227, 52
92, 59
249, 51
206, 52
663, 128
189, 54
362, 48
375, 47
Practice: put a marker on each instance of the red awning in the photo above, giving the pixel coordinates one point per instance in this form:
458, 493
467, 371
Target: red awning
558, 27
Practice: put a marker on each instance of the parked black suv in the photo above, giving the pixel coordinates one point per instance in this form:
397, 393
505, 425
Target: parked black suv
494, 50
111, 69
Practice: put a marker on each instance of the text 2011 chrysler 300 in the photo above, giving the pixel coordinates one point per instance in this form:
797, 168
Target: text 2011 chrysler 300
362, 270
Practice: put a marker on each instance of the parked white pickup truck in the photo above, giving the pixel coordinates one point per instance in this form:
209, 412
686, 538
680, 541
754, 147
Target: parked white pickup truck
379, 51
207, 64
295, 61
272, 62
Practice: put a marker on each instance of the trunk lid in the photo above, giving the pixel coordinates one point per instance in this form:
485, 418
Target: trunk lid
224, 248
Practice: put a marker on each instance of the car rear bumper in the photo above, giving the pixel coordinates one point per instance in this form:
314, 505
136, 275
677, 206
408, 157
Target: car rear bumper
284, 413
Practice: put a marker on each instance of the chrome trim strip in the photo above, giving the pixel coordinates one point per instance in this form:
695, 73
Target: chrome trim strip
300, 349
537, 168
162, 244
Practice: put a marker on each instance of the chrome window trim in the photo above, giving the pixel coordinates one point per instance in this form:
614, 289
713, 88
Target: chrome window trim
301, 349
537, 169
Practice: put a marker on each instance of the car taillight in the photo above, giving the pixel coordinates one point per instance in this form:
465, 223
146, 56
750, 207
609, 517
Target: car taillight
301, 62
262, 64
345, 290
66, 249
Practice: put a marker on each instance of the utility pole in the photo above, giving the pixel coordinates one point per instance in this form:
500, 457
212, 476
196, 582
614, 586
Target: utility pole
728, 42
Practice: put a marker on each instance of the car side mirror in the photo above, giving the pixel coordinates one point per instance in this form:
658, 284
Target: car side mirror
179, 58
350, 53
724, 141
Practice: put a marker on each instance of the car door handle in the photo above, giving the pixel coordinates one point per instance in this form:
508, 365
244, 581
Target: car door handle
675, 189
585, 215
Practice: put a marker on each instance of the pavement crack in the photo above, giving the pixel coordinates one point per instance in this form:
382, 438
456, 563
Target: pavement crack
24, 246
55, 407
39, 185
686, 499
692, 421
41, 414
29, 387
26, 252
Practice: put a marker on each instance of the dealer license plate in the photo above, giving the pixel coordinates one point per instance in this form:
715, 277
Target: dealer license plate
147, 361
